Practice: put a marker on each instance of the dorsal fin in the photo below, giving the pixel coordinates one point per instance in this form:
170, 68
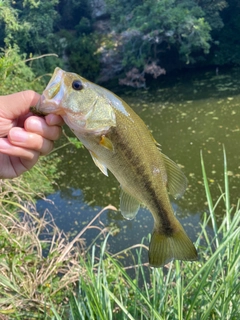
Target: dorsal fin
176, 180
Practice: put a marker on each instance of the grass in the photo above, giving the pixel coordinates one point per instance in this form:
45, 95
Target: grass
207, 289
39, 264
69, 283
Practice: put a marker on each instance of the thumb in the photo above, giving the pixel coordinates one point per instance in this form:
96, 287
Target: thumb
17, 104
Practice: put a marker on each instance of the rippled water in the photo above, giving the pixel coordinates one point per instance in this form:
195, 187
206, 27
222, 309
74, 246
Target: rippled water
189, 114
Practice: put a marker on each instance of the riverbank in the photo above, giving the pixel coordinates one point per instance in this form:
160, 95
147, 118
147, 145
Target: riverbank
54, 277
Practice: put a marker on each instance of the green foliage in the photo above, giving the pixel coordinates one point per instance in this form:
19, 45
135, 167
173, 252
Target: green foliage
159, 26
15, 74
212, 12
33, 26
38, 19
72, 11
29, 26
169, 33
84, 26
38, 37
227, 48
79, 42
83, 57
9, 23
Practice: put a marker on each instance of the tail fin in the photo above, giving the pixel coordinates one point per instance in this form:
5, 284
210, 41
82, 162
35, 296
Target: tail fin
164, 248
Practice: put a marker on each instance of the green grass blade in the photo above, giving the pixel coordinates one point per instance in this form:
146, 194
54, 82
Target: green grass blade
137, 291
179, 285
209, 200
226, 185
75, 311
119, 303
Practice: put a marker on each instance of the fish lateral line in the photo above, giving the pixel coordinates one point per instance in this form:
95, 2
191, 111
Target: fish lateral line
119, 141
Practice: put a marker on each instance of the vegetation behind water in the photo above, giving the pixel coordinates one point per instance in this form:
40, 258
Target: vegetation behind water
132, 40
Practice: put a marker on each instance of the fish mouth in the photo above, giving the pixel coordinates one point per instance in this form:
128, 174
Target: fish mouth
51, 97
53, 90
54, 84
45, 106
38, 108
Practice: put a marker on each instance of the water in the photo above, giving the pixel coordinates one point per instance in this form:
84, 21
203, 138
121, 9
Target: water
189, 114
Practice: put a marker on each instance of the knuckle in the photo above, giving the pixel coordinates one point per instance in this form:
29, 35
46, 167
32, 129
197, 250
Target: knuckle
46, 147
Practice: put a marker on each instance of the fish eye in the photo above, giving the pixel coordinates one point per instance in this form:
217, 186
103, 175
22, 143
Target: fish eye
77, 85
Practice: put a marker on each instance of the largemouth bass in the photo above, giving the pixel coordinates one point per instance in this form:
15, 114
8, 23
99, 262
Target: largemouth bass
119, 141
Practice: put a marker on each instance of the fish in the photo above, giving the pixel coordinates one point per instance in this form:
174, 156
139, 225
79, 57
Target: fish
120, 142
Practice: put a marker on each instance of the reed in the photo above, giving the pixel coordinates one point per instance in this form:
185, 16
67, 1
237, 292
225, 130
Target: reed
70, 282
39, 264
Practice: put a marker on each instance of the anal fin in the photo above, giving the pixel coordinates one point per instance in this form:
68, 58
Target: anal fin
129, 206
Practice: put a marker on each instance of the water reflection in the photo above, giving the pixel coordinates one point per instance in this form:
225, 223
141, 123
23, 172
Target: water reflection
197, 112
73, 213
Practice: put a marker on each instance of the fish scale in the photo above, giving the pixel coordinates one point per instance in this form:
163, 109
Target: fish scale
119, 141
146, 182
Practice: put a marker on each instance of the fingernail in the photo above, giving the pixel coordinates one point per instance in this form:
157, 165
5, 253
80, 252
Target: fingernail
34, 124
18, 135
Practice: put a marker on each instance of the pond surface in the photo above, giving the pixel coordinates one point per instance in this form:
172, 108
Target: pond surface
187, 114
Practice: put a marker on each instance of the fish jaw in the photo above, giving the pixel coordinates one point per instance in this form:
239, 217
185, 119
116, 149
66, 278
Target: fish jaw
54, 84
46, 106
52, 97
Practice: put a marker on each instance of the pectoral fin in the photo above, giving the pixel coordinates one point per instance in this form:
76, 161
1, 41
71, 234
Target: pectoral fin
176, 180
100, 165
129, 206
106, 143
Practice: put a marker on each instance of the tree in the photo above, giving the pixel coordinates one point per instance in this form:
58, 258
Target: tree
9, 23
15, 74
226, 50
29, 25
156, 31
39, 18
71, 12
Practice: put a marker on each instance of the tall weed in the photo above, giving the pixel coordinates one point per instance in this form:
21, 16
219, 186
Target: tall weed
69, 283
207, 289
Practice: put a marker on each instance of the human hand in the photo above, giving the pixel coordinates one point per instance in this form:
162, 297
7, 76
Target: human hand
23, 136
